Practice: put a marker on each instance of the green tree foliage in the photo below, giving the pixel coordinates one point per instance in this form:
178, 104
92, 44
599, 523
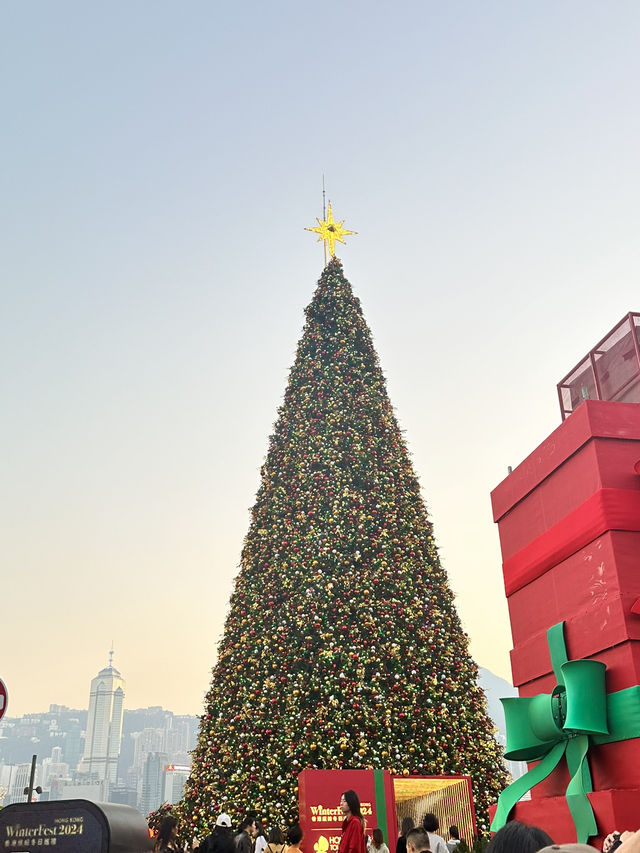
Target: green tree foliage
342, 647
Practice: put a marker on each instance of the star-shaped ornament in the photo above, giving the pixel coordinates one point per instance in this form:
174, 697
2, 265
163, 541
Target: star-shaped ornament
330, 231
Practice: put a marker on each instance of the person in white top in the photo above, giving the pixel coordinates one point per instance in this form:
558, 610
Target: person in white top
436, 842
261, 841
454, 838
376, 844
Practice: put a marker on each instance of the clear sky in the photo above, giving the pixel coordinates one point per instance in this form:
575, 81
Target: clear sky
159, 163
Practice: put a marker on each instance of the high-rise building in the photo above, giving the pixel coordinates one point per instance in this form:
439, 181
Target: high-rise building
104, 726
54, 767
72, 744
19, 781
175, 775
145, 742
124, 795
152, 789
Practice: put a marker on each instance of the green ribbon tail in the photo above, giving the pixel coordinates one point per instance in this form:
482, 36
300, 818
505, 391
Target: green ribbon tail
381, 804
516, 790
577, 800
576, 762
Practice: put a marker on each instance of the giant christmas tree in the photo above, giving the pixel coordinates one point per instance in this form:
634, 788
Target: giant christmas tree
342, 647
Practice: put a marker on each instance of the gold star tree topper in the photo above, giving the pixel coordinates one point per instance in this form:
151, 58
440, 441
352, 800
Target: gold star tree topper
330, 231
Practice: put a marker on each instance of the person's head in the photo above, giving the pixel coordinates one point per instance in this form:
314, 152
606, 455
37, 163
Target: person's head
168, 830
568, 848
276, 836
350, 804
417, 840
224, 820
516, 837
259, 829
248, 825
377, 838
453, 832
407, 824
430, 822
294, 836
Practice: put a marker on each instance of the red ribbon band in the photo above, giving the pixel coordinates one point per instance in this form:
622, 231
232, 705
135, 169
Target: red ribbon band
606, 509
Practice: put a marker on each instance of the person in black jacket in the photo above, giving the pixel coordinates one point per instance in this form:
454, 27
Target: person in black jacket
220, 840
407, 825
246, 834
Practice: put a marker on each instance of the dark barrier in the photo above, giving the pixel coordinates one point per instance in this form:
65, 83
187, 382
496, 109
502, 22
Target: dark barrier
72, 826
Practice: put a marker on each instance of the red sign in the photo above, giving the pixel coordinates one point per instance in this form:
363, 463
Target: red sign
4, 699
384, 800
320, 814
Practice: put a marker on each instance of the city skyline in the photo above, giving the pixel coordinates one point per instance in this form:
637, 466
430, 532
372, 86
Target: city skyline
157, 270
153, 762
105, 753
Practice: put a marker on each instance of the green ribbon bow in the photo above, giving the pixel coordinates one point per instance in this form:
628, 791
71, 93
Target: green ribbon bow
578, 712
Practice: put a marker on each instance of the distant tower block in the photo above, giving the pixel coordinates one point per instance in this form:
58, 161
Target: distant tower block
104, 725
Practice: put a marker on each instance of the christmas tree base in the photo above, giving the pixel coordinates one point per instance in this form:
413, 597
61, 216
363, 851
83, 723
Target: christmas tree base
614, 809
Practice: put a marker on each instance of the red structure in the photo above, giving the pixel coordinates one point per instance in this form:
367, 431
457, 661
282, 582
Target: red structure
385, 800
319, 794
569, 525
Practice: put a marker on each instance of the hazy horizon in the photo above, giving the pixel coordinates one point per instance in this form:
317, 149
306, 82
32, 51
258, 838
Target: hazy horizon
489, 680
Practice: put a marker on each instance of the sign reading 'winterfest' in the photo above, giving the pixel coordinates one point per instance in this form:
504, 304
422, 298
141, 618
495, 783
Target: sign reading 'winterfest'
72, 826
38, 827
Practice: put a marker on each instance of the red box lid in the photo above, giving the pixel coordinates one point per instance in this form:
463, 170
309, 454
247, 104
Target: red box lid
594, 418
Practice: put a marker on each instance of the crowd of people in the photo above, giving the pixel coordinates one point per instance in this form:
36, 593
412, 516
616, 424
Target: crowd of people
251, 837
414, 839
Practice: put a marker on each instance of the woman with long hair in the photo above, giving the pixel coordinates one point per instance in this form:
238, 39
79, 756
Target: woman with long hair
377, 842
166, 838
352, 840
407, 826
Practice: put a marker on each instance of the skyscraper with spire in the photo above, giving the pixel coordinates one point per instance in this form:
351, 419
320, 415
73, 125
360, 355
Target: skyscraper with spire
104, 725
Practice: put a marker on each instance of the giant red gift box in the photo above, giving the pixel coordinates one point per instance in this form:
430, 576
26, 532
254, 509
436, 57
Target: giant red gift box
569, 525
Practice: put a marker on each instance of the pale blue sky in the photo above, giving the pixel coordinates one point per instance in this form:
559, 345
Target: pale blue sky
159, 164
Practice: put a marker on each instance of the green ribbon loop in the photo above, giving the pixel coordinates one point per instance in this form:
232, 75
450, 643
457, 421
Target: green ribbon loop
547, 727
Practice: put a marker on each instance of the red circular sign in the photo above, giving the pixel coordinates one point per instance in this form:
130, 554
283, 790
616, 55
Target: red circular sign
4, 698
